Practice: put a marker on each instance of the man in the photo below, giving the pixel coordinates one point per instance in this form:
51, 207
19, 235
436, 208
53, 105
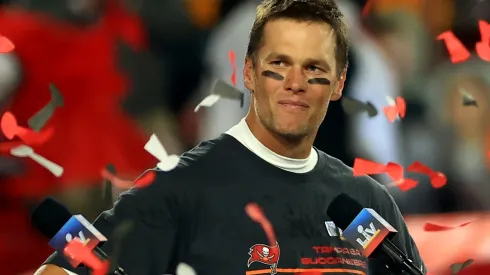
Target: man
295, 64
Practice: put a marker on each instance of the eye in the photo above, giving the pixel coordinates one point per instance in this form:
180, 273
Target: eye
314, 69
278, 63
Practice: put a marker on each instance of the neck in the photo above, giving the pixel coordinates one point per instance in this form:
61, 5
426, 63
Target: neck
291, 148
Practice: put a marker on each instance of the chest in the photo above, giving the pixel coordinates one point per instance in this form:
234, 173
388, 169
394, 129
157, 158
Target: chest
223, 233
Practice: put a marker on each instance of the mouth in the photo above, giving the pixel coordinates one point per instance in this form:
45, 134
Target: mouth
295, 104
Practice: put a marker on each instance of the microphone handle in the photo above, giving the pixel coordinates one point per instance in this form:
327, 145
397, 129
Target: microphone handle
400, 258
102, 254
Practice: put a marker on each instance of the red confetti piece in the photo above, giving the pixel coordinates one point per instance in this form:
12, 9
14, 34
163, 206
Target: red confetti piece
405, 184
431, 227
437, 179
115, 180
393, 170
365, 167
76, 250
9, 125
231, 55
10, 129
255, 213
146, 179
6, 45
483, 47
457, 51
400, 109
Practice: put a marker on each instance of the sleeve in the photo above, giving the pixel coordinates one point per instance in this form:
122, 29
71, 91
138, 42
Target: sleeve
148, 248
386, 206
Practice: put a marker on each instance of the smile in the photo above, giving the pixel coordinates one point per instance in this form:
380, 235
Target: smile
294, 105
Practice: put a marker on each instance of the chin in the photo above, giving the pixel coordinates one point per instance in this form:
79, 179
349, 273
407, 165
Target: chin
292, 132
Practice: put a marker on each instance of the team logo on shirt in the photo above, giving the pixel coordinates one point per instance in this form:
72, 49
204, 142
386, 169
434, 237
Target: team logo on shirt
268, 255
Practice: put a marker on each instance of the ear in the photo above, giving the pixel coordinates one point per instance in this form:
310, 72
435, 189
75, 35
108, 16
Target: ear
249, 74
339, 87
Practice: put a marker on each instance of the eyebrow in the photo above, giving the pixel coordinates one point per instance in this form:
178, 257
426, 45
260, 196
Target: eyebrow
310, 61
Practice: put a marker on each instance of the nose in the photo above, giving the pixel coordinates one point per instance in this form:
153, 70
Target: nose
296, 81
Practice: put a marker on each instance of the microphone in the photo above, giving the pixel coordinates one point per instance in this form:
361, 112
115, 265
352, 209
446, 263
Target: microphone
368, 231
54, 221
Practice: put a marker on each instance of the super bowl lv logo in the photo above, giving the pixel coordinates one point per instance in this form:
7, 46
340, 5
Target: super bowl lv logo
268, 255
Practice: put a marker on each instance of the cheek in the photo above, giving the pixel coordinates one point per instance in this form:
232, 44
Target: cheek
321, 97
268, 89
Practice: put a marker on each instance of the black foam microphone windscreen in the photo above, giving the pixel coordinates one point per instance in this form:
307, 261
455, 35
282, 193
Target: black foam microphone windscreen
49, 217
343, 210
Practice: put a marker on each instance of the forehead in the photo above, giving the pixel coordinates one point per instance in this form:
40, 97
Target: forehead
299, 39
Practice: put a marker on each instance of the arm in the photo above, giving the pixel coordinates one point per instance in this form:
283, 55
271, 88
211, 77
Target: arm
148, 248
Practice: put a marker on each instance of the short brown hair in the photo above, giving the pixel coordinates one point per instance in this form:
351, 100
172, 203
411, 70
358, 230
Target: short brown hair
325, 11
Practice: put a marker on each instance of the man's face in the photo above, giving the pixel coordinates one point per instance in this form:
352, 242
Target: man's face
294, 77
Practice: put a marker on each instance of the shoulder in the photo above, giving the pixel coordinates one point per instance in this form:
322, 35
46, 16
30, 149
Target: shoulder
202, 151
365, 189
193, 166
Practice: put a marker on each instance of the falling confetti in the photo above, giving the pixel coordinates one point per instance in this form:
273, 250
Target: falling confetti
457, 267
156, 149
437, 179
10, 129
404, 184
396, 108
185, 269
76, 250
115, 180
26, 151
146, 179
6, 45
457, 51
221, 90
353, 106
209, 101
393, 170
256, 214
483, 47
432, 227
38, 121
468, 99
365, 167
231, 55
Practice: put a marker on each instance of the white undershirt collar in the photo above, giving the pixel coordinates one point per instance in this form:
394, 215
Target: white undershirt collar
242, 133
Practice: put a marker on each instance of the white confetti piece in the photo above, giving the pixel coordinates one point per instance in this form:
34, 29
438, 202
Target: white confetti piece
391, 101
26, 151
156, 149
209, 101
185, 269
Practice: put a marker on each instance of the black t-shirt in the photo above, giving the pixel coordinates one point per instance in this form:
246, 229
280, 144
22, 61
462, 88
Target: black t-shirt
196, 214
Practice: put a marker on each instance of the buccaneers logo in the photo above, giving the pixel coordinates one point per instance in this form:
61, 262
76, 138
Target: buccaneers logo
265, 254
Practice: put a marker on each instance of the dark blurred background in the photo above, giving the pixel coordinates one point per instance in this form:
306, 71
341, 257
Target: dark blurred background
130, 68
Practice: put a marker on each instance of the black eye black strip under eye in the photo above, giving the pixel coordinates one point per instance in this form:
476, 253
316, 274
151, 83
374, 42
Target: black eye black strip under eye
321, 81
272, 75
